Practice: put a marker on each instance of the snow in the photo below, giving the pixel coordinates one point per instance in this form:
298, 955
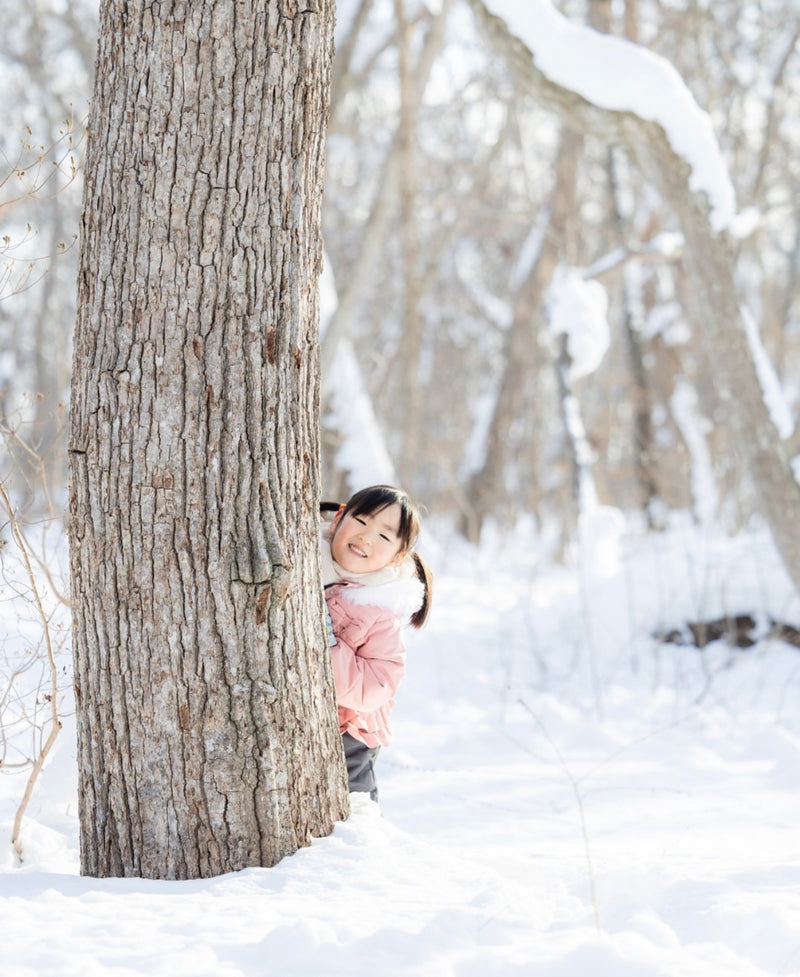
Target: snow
771, 390
362, 454
566, 795
529, 252
667, 243
602, 532
579, 308
600, 67
694, 428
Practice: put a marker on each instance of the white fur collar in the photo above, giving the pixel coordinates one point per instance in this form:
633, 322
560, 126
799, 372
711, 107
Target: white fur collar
403, 596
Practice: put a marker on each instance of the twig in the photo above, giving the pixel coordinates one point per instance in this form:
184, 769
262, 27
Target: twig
56, 721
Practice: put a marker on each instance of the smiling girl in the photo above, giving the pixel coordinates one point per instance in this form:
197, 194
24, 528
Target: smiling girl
375, 583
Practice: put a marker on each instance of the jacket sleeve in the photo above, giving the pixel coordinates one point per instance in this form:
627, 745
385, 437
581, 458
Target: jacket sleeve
366, 677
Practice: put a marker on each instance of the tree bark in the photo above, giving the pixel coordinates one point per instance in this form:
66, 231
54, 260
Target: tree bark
714, 293
207, 734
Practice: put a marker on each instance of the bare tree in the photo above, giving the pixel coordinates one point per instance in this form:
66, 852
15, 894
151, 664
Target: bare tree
487, 487
709, 262
387, 186
207, 731
484, 150
42, 716
41, 147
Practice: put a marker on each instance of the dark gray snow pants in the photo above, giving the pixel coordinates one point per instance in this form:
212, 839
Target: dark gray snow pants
360, 760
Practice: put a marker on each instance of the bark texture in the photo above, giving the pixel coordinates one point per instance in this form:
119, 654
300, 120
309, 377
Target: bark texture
207, 730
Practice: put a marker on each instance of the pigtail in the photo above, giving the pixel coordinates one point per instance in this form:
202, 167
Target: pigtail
425, 576
329, 507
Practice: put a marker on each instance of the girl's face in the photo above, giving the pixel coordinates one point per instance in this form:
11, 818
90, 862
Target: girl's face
367, 542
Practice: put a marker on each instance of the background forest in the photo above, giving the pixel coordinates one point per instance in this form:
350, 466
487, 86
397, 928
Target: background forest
453, 202
597, 746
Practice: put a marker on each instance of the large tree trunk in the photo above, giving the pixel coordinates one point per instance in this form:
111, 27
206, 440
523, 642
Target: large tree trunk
709, 258
207, 731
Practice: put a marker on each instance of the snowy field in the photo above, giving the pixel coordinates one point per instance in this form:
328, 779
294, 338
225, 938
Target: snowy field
567, 796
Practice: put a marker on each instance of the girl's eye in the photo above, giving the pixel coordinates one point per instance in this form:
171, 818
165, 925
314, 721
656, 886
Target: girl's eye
359, 519
384, 536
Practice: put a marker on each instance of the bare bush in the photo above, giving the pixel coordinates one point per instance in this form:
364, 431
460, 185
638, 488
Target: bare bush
35, 667
38, 173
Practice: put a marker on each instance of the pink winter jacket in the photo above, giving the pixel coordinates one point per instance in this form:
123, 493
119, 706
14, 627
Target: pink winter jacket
369, 658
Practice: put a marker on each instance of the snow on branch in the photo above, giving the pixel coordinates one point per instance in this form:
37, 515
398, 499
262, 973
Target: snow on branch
618, 75
578, 309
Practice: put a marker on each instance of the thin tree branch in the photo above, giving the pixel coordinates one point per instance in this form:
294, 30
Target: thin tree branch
55, 719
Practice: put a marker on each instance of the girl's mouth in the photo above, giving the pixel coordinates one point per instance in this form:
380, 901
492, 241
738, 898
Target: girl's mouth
358, 551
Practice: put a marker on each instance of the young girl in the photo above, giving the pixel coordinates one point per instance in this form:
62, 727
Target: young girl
375, 583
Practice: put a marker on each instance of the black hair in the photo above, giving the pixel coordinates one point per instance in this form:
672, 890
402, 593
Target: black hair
373, 499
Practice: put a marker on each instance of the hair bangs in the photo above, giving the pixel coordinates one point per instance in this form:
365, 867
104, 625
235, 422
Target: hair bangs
377, 497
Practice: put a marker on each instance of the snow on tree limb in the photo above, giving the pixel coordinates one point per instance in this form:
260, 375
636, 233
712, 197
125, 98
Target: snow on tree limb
709, 260
615, 75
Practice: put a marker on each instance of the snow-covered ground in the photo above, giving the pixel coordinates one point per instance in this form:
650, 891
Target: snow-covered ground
567, 796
